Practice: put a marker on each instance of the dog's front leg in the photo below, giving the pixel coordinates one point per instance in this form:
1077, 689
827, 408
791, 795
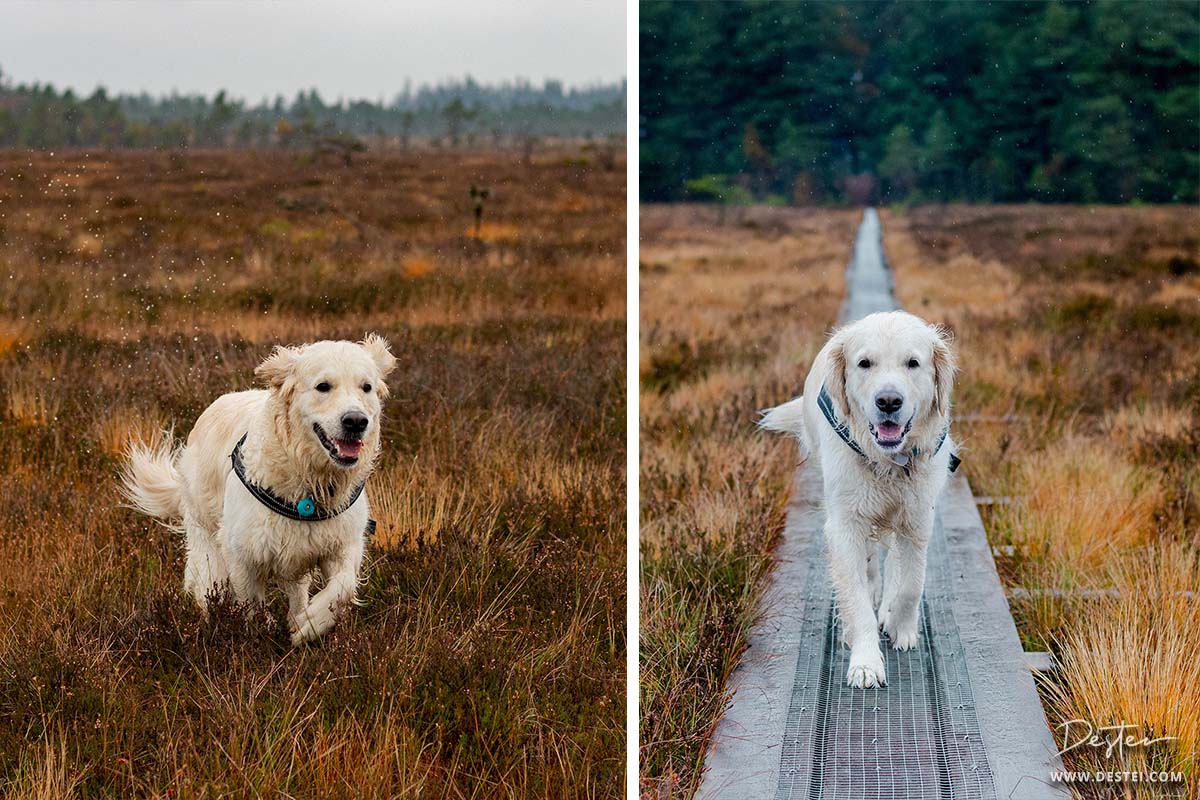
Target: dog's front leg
848, 545
874, 577
341, 583
297, 595
247, 584
904, 580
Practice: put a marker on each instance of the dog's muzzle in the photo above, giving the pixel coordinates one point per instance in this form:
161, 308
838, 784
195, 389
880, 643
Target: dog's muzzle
888, 431
343, 450
889, 434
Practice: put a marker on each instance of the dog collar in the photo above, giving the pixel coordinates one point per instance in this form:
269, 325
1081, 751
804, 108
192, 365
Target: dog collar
304, 510
902, 460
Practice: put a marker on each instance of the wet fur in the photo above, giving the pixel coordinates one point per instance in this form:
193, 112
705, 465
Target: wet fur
873, 505
232, 539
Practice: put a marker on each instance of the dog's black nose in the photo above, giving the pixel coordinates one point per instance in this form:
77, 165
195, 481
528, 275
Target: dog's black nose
888, 402
354, 423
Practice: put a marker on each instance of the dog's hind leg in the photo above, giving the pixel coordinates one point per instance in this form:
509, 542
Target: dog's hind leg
248, 585
205, 571
874, 578
875, 556
848, 546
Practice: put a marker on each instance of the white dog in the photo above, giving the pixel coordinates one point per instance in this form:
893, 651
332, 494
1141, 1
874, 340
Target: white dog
875, 417
270, 482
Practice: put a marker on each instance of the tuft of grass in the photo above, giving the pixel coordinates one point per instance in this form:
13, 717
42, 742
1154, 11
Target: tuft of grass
117, 427
1080, 503
1130, 659
27, 402
45, 773
412, 512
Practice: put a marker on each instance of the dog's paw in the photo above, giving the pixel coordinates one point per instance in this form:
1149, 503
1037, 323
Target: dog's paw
311, 629
305, 633
314, 623
866, 672
903, 632
308, 633
904, 640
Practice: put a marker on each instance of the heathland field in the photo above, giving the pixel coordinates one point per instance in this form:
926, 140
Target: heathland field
487, 657
1078, 330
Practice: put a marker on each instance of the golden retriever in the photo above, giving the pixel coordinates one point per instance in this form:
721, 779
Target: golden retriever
269, 485
875, 419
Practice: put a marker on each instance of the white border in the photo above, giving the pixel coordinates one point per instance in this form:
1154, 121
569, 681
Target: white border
632, 380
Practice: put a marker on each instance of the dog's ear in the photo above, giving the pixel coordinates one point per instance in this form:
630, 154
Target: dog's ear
278, 367
944, 368
835, 380
377, 347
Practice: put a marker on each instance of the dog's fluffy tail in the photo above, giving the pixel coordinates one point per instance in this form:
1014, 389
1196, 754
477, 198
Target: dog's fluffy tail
785, 418
150, 480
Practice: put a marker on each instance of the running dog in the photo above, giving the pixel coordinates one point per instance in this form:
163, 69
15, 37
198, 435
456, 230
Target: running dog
270, 484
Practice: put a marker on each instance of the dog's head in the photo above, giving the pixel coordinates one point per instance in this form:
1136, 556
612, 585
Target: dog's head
894, 372
328, 398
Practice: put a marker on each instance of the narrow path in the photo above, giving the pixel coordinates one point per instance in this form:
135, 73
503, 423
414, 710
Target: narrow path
868, 280
960, 716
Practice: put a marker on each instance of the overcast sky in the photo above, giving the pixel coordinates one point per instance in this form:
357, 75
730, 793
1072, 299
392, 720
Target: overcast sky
364, 48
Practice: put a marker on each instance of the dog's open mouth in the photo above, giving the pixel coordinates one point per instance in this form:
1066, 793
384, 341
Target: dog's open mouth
888, 434
344, 452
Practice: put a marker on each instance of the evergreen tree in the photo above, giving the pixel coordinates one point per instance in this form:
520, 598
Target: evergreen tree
1038, 99
900, 162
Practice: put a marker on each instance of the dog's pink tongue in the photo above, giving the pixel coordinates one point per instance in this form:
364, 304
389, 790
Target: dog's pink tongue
347, 449
888, 430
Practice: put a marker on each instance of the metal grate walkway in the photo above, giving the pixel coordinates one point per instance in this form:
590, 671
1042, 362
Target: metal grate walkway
917, 737
959, 718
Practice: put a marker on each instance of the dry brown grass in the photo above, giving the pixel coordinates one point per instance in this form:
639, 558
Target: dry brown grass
411, 511
732, 312
1080, 503
45, 773
1084, 323
487, 659
1131, 659
31, 403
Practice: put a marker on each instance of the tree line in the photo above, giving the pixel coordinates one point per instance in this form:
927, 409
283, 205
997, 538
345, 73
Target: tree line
917, 102
455, 114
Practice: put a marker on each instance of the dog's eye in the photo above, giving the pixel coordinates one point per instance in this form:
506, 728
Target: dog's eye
367, 388
913, 363
323, 386
865, 363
